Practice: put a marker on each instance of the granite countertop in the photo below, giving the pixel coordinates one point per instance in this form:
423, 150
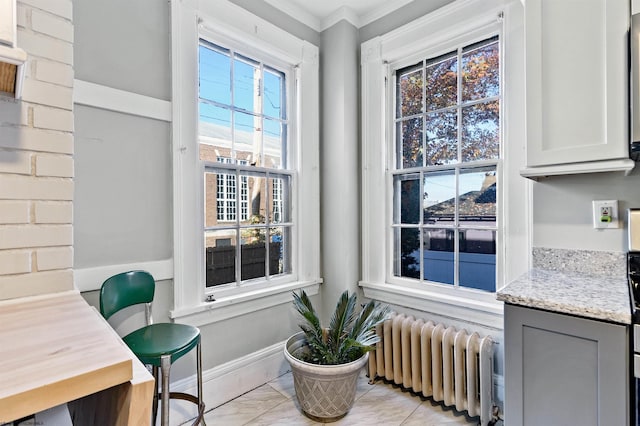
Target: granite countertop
602, 297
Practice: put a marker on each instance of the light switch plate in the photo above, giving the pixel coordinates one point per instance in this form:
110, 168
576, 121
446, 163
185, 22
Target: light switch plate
605, 214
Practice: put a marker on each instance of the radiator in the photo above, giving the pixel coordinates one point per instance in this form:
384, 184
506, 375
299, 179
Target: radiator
451, 366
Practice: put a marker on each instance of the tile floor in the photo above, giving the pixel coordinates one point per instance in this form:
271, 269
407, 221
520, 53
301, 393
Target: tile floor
381, 404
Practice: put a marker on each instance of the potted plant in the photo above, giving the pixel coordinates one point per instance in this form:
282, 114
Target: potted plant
326, 362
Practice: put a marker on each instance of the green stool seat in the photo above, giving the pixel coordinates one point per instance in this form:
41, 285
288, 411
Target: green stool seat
150, 343
157, 345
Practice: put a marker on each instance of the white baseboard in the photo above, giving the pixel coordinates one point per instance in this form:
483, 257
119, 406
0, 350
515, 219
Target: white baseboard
234, 378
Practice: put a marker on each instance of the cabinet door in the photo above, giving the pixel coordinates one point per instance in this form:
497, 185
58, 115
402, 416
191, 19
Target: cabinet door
576, 80
564, 370
7, 24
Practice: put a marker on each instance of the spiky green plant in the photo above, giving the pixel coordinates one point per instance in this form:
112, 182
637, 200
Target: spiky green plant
350, 334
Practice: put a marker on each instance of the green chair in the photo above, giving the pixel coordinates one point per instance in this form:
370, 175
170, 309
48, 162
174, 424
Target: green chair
158, 345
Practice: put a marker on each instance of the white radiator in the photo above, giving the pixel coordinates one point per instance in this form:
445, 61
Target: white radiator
450, 366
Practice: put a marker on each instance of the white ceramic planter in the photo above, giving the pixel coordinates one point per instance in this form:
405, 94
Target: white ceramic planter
325, 392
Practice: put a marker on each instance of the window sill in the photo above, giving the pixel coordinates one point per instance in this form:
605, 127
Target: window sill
485, 311
240, 304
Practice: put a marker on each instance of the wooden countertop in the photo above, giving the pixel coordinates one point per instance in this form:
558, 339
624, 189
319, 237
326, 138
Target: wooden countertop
55, 349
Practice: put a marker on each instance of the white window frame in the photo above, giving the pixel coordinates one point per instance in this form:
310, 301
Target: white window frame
225, 23
440, 32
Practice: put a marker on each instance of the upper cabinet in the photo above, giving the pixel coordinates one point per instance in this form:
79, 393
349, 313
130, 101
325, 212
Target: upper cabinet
577, 86
12, 58
7, 22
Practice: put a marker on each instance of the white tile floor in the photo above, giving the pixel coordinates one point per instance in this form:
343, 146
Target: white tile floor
380, 404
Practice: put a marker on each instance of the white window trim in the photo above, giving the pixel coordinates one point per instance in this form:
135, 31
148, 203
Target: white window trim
229, 22
446, 26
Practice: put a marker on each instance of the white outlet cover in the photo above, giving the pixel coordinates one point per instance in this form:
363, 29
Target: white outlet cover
605, 214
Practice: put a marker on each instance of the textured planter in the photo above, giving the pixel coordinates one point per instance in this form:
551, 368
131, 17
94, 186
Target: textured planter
325, 392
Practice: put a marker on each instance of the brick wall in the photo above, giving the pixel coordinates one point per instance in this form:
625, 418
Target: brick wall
36, 157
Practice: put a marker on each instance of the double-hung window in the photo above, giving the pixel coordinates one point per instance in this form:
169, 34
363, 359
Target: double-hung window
242, 135
245, 162
443, 134
445, 180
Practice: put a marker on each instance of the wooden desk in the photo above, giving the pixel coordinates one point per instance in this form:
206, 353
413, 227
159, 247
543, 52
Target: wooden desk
56, 349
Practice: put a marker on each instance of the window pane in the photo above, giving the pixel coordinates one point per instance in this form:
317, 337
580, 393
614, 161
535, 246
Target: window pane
253, 253
481, 71
254, 200
285, 250
407, 241
439, 198
442, 139
438, 249
409, 138
478, 259
247, 137
409, 92
279, 190
273, 94
477, 200
220, 257
221, 204
481, 131
273, 144
407, 199
276, 250
246, 85
215, 74
442, 86
214, 132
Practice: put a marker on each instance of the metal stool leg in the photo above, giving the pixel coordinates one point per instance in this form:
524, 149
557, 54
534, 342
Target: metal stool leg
199, 380
155, 370
165, 367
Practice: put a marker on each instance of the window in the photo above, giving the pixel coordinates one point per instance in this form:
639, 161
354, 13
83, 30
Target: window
242, 135
245, 162
446, 176
451, 226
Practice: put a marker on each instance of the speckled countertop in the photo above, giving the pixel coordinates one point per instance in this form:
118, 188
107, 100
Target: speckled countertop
590, 295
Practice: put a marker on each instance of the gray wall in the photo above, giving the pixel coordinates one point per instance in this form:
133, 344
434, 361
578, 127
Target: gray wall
124, 44
340, 165
122, 209
562, 215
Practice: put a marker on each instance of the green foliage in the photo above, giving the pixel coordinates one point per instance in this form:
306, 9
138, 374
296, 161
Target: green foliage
350, 334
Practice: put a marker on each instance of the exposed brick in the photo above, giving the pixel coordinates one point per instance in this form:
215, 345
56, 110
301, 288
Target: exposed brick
36, 140
54, 165
55, 258
14, 187
54, 72
25, 236
13, 112
57, 7
52, 25
53, 212
15, 262
52, 118
15, 162
35, 283
12, 212
43, 93
21, 16
45, 47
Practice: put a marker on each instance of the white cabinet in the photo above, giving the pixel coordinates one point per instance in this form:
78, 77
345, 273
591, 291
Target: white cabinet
576, 86
7, 22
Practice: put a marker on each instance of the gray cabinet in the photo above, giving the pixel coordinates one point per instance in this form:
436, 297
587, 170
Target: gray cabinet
564, 370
